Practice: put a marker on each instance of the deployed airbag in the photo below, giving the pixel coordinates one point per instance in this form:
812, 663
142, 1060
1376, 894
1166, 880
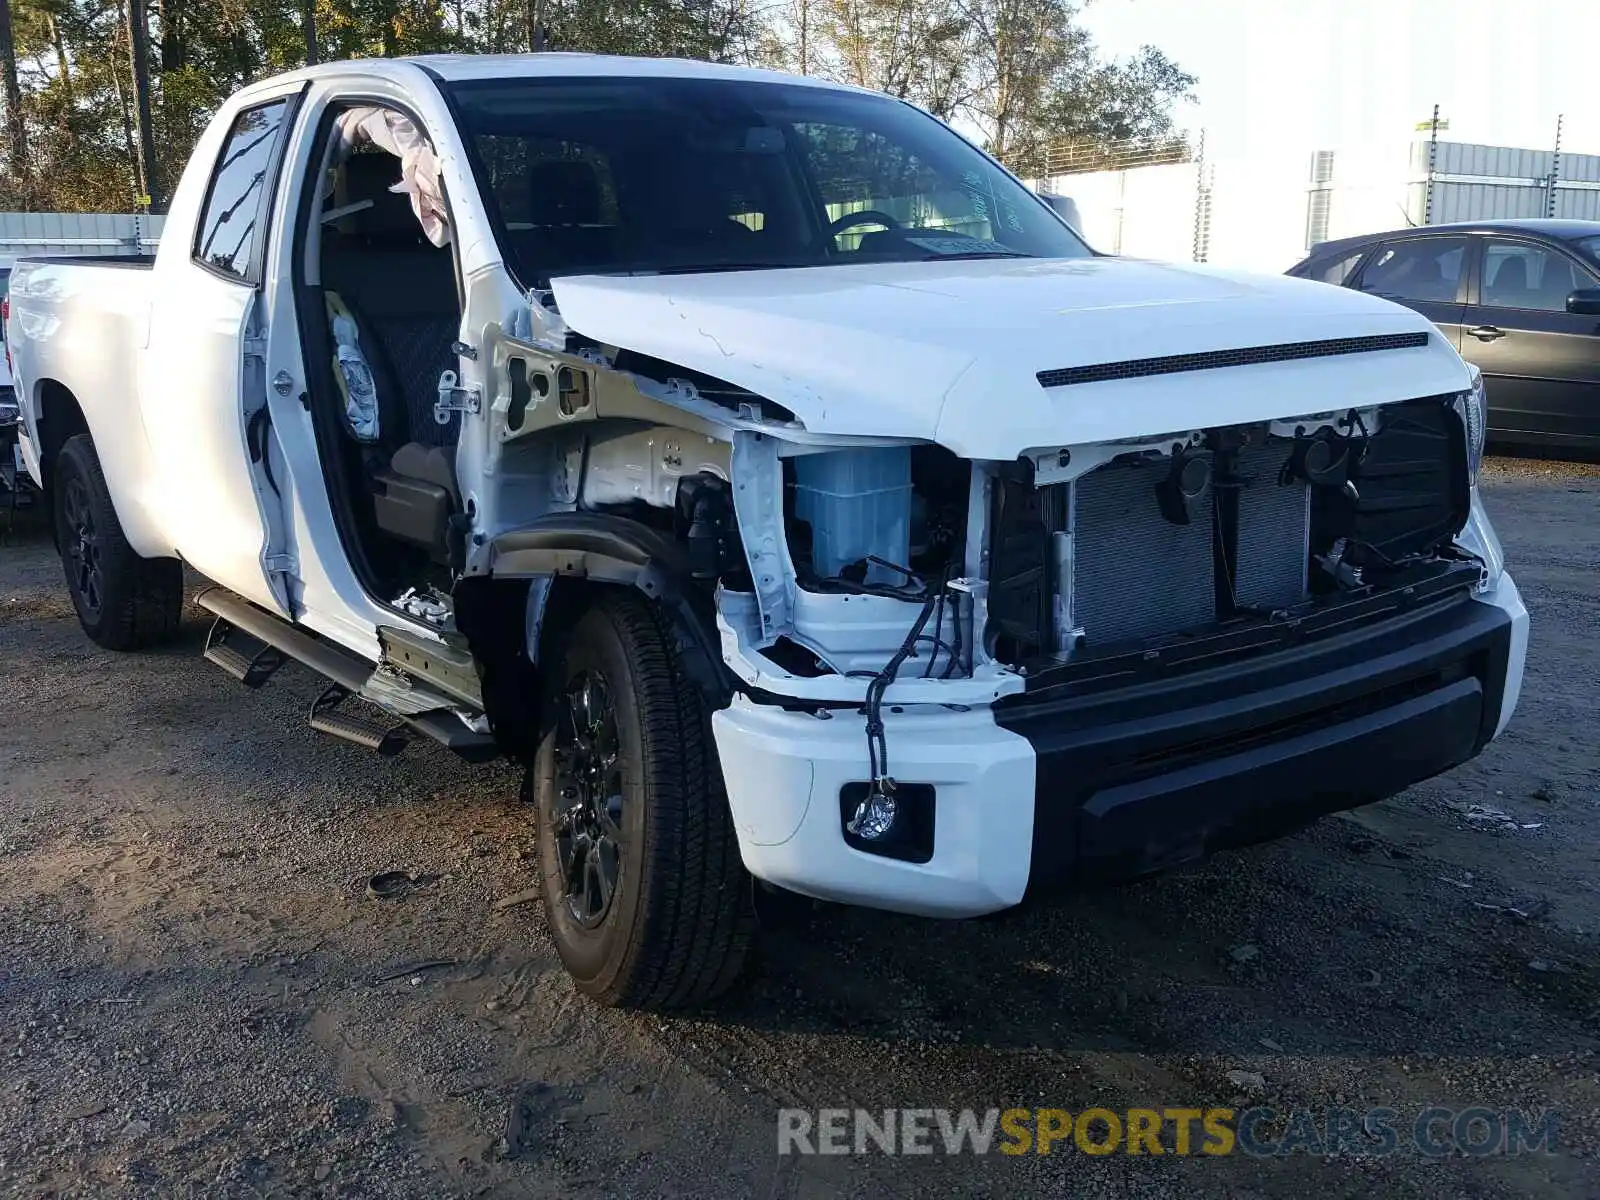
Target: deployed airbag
419, 166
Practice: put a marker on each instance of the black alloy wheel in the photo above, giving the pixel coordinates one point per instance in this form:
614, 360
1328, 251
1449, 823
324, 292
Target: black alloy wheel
588, 826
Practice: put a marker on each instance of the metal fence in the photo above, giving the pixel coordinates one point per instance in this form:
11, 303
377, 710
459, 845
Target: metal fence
1150, 198
1463, 181
1254, 207
1078, 157
78, 233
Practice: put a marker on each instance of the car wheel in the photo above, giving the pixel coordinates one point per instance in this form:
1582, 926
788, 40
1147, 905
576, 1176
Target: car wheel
124, 602
643, 888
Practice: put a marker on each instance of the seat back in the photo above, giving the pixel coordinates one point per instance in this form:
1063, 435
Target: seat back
402, 291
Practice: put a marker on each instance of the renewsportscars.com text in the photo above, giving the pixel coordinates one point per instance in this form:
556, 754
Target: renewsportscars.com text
1431, 1131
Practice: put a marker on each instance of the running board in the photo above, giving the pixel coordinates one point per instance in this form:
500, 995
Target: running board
252, 668
385, 734
349, 671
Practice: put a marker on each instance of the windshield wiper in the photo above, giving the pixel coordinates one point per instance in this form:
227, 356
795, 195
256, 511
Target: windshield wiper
708, 268
975, 254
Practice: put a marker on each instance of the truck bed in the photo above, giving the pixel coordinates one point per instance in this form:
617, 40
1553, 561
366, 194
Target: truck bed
129, 262
77, 330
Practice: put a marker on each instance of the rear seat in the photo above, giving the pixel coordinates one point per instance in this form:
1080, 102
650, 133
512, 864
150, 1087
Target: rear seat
554, 214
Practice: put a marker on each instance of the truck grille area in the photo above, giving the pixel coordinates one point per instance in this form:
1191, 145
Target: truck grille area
1261, 539
1137, 575
1274, 532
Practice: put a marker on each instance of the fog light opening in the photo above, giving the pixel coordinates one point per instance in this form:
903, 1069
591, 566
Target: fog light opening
888, 819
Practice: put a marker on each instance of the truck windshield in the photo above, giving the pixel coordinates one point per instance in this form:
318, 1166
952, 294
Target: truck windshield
661, 175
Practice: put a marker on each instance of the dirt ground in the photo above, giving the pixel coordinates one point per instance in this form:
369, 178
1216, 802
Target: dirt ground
198, 997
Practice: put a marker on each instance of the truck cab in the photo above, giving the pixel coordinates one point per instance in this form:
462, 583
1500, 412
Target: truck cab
797, 496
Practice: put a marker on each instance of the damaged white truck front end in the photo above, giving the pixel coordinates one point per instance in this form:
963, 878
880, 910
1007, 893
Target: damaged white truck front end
789, 490
1012, 562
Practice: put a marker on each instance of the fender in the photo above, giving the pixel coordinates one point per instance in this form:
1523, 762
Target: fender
613, 550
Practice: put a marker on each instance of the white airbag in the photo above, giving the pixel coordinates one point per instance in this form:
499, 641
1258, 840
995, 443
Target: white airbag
419, 165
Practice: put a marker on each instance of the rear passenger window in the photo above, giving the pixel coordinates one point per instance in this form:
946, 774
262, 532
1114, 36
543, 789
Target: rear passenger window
231, 227
1333, 270
1427, 269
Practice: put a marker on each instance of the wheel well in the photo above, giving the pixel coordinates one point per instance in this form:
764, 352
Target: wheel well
60, 417
493, 615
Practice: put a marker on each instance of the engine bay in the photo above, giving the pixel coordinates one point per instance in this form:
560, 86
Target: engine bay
1085, 552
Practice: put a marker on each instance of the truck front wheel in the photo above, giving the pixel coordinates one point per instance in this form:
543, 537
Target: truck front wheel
124, 602
643, 888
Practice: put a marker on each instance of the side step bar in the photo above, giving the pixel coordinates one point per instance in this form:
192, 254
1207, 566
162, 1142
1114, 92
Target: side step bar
349, 671
387, 737
251, 669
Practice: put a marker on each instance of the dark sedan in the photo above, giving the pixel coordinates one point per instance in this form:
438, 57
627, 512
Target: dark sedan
1520, 299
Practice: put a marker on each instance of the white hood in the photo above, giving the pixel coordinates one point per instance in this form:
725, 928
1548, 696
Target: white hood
950, 351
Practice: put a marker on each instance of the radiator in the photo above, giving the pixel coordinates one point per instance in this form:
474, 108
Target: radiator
1137, 575
1274, 531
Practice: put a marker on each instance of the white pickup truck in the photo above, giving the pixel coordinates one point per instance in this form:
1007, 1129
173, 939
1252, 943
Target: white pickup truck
783, 483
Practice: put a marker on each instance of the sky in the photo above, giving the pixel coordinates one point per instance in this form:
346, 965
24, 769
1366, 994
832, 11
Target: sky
1331, 74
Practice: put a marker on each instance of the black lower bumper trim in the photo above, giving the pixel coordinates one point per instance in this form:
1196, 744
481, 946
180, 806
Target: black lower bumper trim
1148, 777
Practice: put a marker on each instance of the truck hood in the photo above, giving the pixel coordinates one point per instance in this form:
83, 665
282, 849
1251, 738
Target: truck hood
951, 351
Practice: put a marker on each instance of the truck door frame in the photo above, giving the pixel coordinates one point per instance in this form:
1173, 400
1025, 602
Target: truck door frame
336, 601
204, 379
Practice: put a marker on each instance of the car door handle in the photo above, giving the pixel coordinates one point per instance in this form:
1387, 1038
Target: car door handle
1486, 333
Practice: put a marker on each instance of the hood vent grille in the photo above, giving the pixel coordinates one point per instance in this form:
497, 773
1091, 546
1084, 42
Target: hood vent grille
1138, 368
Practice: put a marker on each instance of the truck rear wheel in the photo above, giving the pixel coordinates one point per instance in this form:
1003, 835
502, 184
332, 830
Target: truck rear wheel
124, 602
643, 888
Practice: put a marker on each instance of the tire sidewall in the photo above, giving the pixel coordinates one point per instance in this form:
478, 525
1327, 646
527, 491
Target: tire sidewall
596, 957
72, 465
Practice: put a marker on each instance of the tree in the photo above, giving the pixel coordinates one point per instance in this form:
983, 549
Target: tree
1022, 72
16, 128
1039, 80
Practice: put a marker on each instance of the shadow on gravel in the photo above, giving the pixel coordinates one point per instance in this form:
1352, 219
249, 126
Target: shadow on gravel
1303, 947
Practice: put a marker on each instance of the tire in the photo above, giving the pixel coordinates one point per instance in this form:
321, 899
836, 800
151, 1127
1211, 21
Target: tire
124, 602
643, 888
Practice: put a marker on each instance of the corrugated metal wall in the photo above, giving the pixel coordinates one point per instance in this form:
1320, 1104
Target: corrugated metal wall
78, 233
1472, 183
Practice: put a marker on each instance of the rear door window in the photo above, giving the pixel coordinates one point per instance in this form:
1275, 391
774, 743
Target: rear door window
232, 228
1424, 269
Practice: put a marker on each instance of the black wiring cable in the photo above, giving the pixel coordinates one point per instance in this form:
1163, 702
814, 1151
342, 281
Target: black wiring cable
938, 644
877, 747
938, 629
955, 633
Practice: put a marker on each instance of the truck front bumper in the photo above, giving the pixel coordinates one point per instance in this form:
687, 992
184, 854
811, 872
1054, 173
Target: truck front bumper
1044, 789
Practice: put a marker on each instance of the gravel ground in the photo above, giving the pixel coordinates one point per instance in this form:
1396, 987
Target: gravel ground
197, 997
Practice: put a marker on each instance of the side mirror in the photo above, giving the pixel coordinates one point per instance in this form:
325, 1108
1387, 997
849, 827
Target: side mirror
1066, 209
1584, 302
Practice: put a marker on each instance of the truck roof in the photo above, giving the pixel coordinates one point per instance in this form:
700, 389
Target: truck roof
462, 67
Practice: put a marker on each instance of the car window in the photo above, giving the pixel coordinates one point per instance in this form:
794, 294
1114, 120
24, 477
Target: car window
1422, 269
230, 225
688, 175
861, 171
1528, 275
1335, 269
